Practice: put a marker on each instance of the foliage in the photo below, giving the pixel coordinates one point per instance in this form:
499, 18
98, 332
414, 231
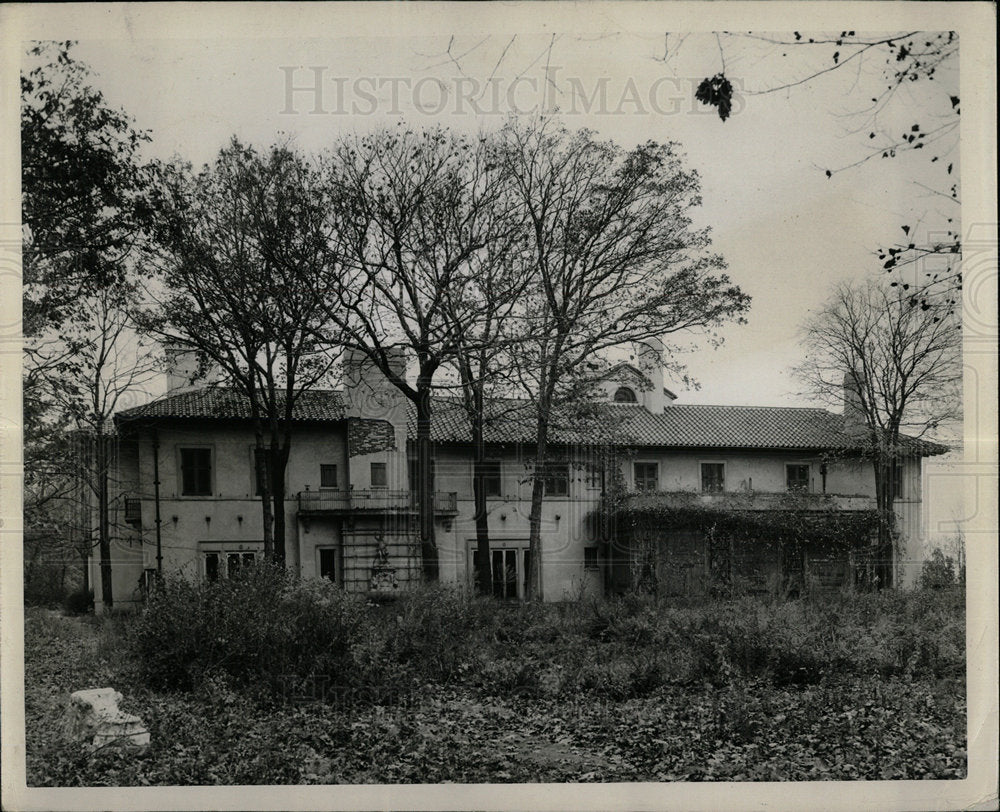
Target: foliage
261, 628
83, 210
82, 184
46, 582
793, 518
243, 259
79, 602
459, 689
938, 572
267, 629
716, 92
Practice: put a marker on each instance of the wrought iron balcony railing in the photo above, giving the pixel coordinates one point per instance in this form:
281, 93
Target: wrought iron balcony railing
375, 499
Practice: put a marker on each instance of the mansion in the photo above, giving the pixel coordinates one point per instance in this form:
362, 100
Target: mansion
642, 502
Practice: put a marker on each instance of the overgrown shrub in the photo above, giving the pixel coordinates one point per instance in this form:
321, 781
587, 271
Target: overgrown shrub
262, 627
267, 628
48, 583
79, 602
938, 571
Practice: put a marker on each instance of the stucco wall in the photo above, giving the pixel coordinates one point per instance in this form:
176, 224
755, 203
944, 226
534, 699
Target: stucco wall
758, 471
232, 514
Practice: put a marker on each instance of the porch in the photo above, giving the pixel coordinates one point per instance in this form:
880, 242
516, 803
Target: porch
782, 544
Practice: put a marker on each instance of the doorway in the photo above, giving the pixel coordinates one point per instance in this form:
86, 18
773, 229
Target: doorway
509, 562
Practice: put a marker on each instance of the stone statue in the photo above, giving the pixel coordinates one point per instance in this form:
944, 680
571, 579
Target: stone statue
383, 573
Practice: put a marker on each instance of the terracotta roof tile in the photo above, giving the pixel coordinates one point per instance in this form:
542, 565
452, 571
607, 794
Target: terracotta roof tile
511, 420
690, 426
221, 403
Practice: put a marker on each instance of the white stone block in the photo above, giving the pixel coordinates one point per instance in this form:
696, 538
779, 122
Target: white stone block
93, 718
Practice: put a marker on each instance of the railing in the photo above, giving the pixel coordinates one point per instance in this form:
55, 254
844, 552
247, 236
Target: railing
133, 510
375, 499
750, 500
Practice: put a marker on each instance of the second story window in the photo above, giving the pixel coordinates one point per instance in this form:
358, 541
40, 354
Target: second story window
556, 478
897, 480
713, 477
647, 476
380, 477
328, 476
196, 471
797, 478
625, 394
492, 484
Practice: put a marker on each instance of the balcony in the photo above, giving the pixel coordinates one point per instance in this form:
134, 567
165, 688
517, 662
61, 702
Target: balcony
133, 510
750, 500
376, 500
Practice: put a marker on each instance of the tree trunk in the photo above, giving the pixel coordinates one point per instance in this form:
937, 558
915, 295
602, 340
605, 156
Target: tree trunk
279, 462
104, 534
425, 483
884, 501
535, 552
264, 482
484, 572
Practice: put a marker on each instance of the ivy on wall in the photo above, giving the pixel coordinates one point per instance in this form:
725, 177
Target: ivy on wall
785, 517
741, 531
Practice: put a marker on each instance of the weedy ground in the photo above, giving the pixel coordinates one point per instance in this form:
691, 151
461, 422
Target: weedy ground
265, 680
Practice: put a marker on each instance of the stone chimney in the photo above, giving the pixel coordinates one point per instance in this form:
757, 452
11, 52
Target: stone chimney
367, 390
651, 365
183, 368
854, 416
360, 372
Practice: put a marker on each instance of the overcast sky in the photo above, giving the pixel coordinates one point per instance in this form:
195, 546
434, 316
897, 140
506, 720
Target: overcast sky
196, 76
787, 231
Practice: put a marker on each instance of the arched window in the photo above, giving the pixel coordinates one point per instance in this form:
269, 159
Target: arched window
625, 395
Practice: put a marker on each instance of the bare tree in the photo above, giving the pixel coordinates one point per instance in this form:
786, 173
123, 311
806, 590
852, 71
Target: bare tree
894, 360
615, 260
416, 220
244, 246
108, 363
486, 309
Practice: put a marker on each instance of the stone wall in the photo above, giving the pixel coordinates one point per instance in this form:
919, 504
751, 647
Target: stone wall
369, 436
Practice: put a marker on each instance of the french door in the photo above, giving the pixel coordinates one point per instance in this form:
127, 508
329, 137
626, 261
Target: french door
509, 563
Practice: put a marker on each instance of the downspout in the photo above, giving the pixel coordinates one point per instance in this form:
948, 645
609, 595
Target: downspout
607, 547
156, 502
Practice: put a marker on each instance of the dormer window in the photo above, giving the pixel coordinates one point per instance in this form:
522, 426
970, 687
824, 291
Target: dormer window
625, 395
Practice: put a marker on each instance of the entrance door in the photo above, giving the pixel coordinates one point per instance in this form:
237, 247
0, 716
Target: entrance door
508, 569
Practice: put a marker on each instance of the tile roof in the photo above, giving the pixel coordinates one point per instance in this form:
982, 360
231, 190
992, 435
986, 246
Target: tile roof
221, 403
678, 426
689, 426
510, 420
741, 427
